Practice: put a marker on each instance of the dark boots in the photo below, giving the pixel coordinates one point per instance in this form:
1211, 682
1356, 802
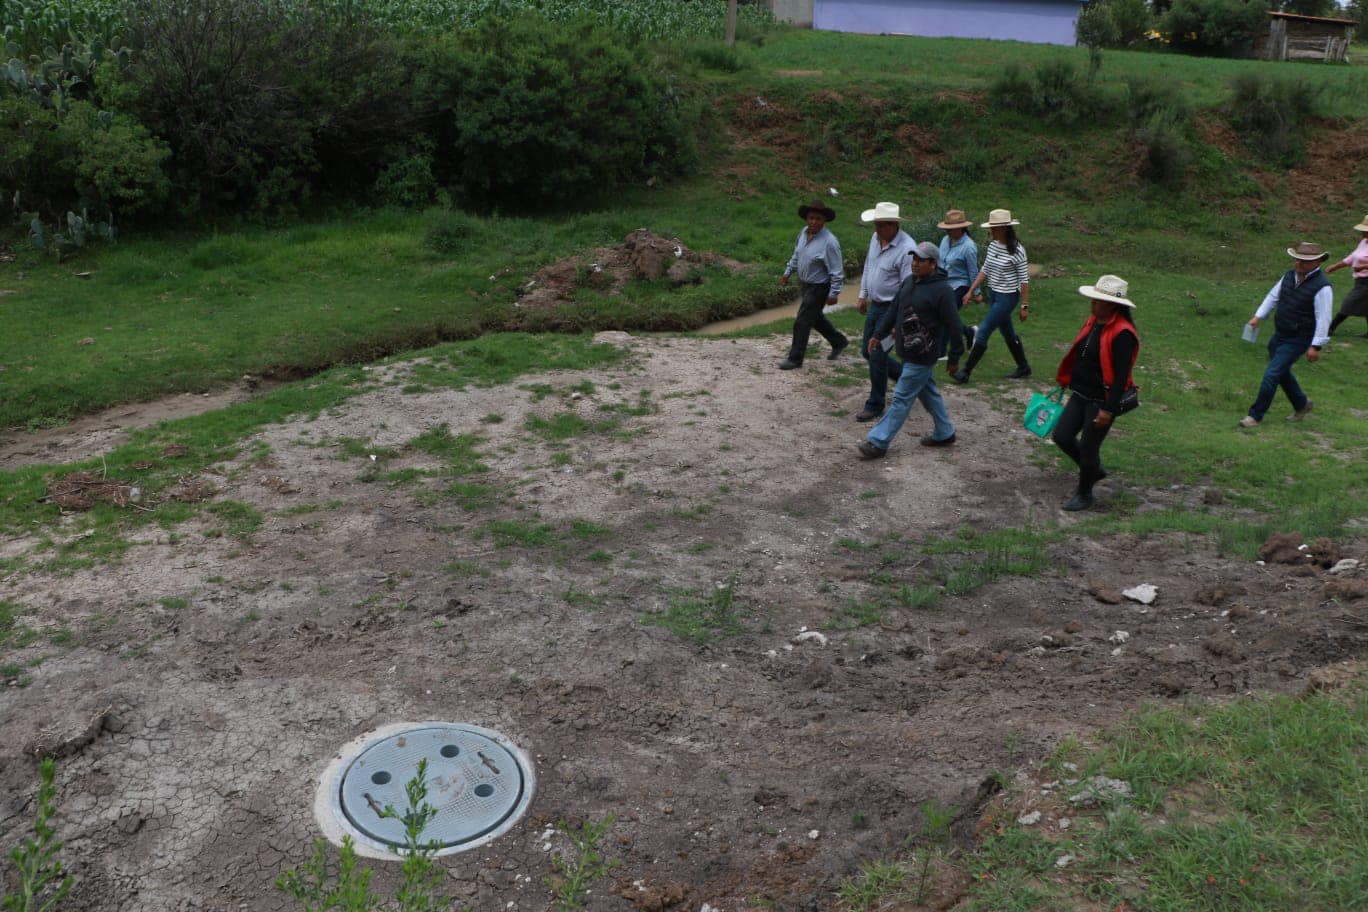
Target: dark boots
975, 355
1018, 351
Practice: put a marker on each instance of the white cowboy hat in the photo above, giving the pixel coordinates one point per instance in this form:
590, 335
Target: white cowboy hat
1307, 251
1108, 288
1363, 225
1000, 218
882, 212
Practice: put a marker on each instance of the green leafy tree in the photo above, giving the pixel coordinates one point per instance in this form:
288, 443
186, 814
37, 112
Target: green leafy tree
1219, 27
1309, 7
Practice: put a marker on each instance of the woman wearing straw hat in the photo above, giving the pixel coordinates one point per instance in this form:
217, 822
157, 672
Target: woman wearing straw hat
1097, 372
959, 259
1005, 271
1356, 302
821, 271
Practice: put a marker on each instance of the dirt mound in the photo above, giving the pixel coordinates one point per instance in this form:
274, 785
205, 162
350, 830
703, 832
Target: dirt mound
643, 256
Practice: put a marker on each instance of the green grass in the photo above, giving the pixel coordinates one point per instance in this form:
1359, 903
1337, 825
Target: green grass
1257, 805
701, 616
158, 458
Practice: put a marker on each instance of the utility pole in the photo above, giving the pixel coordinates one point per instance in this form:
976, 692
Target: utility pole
731, 23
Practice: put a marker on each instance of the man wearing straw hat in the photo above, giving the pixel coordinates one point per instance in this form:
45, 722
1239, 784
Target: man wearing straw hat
1303, 298
959, 259
821, 272
887, 264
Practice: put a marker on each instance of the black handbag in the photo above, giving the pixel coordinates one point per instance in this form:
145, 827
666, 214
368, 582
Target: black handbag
1130, 401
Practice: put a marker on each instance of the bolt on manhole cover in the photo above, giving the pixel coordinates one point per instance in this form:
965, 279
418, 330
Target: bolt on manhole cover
478, 781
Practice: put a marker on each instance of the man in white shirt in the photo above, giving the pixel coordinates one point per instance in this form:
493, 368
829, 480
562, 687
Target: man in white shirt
1303, 300
887, 264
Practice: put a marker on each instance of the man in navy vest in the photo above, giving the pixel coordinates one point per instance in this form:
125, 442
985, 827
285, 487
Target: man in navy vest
1303, 298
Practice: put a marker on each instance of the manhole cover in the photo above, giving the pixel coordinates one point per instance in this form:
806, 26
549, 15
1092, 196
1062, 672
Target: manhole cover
478, 781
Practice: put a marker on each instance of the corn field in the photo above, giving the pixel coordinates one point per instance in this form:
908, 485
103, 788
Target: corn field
33, 26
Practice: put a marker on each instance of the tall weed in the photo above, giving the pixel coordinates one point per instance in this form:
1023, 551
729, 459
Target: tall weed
1271, 113
1055, 91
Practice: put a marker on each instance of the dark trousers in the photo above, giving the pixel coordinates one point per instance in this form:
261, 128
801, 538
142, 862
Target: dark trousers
1081, 440
810, 317
1282, 355
882, 367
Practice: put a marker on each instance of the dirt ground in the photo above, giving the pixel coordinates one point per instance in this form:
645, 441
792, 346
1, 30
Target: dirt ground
210, 680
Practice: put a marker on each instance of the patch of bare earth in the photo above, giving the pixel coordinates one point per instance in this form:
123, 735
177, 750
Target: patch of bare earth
211, 680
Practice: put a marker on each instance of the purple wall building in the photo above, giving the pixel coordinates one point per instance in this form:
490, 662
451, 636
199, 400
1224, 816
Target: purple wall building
1037, 21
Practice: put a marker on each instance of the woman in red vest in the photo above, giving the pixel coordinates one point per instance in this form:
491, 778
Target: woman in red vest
1097, 371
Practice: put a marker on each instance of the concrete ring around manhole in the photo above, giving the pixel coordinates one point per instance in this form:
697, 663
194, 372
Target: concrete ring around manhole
479, 782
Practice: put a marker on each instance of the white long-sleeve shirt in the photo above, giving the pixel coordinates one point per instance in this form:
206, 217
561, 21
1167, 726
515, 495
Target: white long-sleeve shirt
1324, 303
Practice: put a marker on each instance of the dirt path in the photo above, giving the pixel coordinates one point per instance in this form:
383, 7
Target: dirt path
210, 680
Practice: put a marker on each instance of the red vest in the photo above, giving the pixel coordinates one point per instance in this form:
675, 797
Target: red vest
1116, 325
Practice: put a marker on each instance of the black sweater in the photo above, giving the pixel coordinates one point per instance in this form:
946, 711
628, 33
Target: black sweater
1086, 379
934, 301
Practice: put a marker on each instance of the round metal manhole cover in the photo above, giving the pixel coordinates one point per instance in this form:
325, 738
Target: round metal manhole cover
477, 780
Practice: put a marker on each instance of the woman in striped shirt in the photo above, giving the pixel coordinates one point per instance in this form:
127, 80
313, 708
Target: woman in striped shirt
1005, 271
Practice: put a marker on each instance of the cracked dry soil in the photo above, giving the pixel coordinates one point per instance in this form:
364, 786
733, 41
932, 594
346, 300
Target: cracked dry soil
190, 735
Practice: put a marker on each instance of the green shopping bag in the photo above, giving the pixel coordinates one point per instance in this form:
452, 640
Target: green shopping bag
1043, 412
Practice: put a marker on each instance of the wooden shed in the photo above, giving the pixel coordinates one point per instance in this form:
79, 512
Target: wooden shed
1292, 37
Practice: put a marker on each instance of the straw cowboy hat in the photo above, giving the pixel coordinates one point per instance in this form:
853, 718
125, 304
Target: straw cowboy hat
1307, 251
1000, 218
1108, 288
882, 212
818, 207
1363, 225
955, 218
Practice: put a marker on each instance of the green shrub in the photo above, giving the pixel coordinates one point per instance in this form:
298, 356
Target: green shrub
1270, 112
408, 179
446, 230
1055, 90
1146, 96
1168, 153
532, 115
78, 158
263, 101
1114, 23
1221, 27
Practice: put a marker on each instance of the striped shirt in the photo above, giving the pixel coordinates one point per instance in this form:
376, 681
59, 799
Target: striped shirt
1005, 273
886, 267
818, 260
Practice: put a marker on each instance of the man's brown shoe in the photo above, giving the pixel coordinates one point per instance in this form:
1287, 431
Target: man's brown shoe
867, 415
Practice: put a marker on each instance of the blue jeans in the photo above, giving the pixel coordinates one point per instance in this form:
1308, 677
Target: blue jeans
1282, 354
918, 381
882, 366
1000, 307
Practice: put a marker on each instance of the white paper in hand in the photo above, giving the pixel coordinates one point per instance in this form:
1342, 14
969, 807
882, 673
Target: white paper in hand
1250, 334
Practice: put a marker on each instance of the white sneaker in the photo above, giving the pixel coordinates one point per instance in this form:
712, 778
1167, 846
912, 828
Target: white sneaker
1248, 422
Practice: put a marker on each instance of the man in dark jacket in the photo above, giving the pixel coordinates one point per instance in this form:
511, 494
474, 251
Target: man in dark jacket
924, 316
1303, 299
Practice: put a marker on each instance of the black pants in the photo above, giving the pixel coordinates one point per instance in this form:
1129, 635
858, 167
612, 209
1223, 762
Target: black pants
1081, 440
810, 317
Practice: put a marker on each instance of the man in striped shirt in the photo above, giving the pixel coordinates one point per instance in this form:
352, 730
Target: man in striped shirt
887, 264
821, 271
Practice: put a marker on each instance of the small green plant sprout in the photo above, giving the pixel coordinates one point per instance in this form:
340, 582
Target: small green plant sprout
421, 875
934, 838
574, 876
318, 887
42, 881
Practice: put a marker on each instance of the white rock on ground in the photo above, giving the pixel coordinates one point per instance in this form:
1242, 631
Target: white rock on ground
1345, 565
1098, 789
1030, 818
1144, 593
